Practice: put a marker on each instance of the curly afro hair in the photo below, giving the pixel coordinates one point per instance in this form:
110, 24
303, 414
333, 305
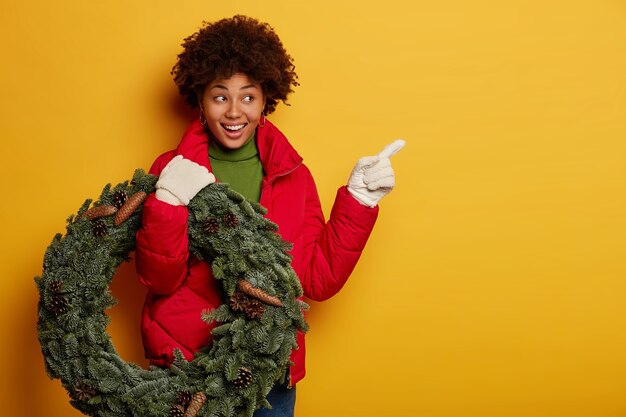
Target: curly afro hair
239, 44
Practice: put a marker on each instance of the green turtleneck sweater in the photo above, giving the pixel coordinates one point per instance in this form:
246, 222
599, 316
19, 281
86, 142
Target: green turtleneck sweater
241, 168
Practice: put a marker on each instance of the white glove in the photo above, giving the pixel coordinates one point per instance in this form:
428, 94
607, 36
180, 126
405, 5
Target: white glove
181, 180
372, 177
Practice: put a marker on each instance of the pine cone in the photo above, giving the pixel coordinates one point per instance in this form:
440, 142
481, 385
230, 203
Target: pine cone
231, 220
83, 392
183, 399
239, 301
177, 410
99, 228
211, 226
197, 401
254, 309
55, 286
130, 205
58, 304
247, 288
98, 211
119, 198
244, 379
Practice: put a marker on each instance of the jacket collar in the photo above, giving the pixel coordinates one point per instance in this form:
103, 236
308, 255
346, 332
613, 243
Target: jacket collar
277, 155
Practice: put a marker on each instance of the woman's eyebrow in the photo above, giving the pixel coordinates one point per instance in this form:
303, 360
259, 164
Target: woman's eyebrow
223, 87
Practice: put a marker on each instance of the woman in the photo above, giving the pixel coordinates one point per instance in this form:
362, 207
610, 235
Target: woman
235, 71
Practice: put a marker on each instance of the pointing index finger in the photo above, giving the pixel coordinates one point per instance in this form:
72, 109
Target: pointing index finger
392, 149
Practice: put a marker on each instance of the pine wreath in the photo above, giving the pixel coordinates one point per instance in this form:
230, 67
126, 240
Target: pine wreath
74, 294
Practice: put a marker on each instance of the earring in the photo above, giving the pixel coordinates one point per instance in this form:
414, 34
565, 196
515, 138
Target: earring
262, 121
202, 118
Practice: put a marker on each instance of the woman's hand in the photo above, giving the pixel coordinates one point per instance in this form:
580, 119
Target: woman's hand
181, 180
372, 177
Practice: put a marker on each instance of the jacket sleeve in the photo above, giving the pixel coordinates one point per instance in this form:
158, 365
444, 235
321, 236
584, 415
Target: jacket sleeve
332, 249
161, 249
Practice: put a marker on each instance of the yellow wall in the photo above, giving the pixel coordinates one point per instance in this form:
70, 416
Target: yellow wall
494, 282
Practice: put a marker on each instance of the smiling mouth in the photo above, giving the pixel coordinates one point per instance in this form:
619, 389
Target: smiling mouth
234, 128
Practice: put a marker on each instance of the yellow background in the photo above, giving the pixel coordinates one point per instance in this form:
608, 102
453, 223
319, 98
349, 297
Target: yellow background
494, 281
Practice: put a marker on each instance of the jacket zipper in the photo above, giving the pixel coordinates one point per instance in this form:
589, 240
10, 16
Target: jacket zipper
277, 176
282, 174
273, 179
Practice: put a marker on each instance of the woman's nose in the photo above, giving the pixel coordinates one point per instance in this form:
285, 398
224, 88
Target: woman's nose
233, 110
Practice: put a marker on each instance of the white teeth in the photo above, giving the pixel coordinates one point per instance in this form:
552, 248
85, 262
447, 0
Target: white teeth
233, 128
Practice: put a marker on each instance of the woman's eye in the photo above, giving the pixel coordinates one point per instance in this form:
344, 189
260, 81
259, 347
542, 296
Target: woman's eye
248, 99
219, 99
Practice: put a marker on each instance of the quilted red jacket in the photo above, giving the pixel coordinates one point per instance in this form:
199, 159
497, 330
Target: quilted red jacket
181, 286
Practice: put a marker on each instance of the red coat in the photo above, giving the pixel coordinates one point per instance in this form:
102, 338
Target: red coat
180, 286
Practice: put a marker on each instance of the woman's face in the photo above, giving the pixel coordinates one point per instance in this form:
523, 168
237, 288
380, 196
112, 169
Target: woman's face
233, 108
